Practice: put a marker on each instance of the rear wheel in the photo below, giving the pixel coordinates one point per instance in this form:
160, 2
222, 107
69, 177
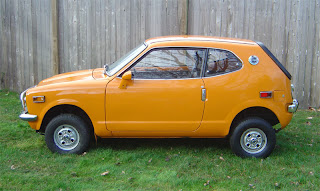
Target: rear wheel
253, 137
67, 133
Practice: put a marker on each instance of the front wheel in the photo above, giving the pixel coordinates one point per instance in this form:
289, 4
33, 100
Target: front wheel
67, 134
253, 137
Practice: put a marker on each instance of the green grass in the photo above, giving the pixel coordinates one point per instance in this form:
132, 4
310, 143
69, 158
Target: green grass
156, 164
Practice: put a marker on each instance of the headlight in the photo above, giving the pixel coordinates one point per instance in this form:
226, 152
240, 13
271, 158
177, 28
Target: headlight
23, 99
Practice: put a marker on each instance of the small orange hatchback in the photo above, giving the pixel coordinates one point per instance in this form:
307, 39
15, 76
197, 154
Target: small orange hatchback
175, 86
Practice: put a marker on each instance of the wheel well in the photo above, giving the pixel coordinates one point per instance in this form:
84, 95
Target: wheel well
260, 112
64, 109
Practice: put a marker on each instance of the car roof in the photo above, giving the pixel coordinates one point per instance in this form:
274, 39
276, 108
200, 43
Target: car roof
198, 38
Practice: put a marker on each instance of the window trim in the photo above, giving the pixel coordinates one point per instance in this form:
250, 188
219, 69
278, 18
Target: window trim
220, 74
166, 48
204, 65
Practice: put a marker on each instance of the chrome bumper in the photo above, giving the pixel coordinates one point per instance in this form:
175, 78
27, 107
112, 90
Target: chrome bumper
294, 106
24, 115
28, 117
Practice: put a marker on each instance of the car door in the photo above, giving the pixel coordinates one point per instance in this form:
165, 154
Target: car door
164, 93
224, 89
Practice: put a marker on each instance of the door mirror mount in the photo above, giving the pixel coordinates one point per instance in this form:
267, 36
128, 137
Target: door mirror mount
127, 75
124, 79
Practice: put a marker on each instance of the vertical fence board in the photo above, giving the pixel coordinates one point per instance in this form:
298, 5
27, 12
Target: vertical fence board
1, 41
14, 76
315, 82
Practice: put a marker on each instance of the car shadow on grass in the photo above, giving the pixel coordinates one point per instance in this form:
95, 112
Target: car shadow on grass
162, 143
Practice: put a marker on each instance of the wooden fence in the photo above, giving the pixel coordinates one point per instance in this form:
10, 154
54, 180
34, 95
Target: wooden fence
40, 38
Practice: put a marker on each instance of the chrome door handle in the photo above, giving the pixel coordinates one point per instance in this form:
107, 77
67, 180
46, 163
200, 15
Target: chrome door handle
204, 94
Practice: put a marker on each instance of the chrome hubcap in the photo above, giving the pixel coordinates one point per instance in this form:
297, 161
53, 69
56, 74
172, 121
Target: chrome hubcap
253, 140
66, 137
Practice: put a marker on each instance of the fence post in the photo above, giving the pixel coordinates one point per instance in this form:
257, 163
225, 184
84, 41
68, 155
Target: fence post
55, 45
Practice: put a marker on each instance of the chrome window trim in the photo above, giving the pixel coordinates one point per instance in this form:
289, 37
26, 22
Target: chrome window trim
126, 68
165, 79
242, 65
128, 59
199, 47
190, 38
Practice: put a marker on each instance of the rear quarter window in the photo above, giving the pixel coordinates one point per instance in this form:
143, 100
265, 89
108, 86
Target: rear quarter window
221, 62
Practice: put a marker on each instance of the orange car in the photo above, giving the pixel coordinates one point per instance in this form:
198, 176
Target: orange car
176, 86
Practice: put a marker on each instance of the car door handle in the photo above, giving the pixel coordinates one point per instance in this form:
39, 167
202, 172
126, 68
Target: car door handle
203, 94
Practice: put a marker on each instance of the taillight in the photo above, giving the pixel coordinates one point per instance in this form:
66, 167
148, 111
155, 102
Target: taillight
266, 94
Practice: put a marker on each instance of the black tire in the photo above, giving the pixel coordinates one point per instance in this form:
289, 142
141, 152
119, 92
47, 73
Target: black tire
67, 134
253, 137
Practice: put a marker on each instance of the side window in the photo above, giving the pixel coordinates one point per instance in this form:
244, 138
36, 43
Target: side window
221, 61
170, 64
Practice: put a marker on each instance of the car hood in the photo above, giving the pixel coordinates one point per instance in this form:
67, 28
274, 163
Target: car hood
68, 77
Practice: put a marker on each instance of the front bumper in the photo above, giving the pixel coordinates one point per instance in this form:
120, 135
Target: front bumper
294, 106
28, 117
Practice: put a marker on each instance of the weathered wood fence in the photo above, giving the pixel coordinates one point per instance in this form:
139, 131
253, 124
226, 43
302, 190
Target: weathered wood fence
40, 38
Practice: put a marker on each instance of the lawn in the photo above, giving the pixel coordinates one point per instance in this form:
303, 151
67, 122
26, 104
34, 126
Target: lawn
156, 164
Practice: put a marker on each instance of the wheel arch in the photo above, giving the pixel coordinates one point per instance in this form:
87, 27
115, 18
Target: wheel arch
65, 109
260, 112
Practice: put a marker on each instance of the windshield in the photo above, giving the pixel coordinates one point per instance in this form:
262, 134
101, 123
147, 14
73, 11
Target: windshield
116, 66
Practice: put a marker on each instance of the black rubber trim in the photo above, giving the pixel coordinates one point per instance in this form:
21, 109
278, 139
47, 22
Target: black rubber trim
284, 70
204, 64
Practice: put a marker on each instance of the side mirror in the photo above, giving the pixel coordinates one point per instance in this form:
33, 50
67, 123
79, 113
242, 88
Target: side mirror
127, 75
124, 79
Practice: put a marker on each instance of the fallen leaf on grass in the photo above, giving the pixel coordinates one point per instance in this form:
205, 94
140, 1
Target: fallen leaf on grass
311, 173
312, 109
276, 184
149, 161
123, 172
221, 158
309, 117
105, 173
12, 167
229, 177
207, 183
